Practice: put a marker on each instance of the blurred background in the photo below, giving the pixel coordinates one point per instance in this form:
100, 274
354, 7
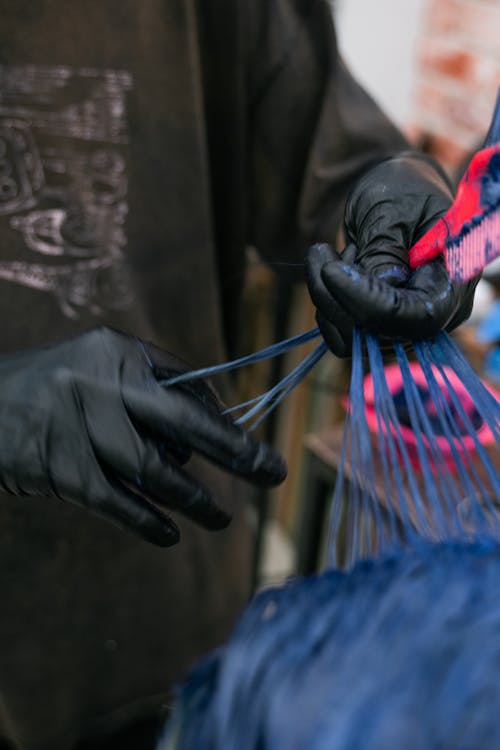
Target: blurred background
434, 67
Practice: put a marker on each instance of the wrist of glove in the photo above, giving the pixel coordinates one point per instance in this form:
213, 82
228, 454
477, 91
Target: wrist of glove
86, 421
371, 285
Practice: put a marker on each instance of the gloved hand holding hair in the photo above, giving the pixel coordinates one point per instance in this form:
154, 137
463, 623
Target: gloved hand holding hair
87, 421
371, 284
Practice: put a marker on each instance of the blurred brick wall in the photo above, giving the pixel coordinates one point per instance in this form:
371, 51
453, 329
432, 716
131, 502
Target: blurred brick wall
458, 74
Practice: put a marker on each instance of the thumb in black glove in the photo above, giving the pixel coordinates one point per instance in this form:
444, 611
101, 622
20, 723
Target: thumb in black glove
86, 421
371, 285
346, 295
390, 208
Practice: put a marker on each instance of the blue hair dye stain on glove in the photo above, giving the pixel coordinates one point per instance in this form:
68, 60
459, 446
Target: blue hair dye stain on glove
395, 275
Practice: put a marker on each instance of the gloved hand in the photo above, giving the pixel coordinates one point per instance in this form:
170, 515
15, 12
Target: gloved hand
87, 422
371, 284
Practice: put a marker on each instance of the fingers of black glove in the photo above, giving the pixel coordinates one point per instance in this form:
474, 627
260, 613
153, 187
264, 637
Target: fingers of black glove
391, 206
333, 322
349, 254
170, 486
174, 449
418, 311
316, 258
382, 240
339, 341
165, 365
141, 463
161, 360
465, 294
173, 412
117, 503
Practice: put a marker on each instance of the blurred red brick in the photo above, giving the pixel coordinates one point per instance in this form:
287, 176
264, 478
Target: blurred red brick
458, 76
474, 21
438, 57
453, 110
448, 62
441, 16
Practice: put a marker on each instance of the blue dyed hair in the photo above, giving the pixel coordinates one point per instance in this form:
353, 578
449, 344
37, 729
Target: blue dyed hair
402, 652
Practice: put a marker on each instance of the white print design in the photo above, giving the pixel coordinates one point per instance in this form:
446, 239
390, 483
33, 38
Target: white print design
63, 184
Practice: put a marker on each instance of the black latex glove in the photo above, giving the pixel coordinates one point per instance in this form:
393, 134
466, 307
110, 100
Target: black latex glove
87, 422
371, 285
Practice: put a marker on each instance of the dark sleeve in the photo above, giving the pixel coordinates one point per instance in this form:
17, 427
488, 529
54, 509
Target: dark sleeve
312, 130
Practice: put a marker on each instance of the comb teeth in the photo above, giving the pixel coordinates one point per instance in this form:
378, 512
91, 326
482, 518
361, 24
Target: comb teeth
478, 245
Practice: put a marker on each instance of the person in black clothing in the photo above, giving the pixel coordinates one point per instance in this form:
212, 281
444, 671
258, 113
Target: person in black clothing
143, 146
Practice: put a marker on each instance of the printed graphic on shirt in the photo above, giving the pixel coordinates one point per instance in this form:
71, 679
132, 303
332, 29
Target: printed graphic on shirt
63, 184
